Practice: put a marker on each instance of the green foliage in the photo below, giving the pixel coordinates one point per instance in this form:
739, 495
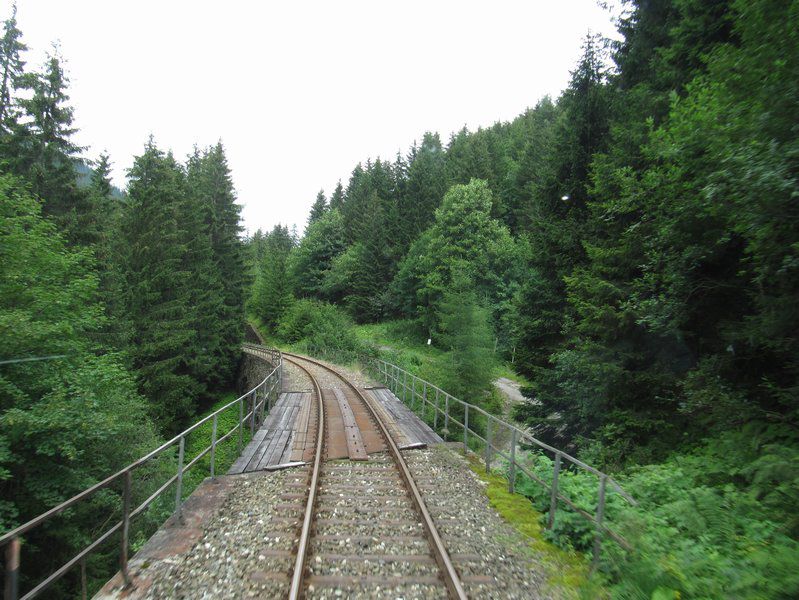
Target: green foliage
271, 292
466, 333
318, 209
313, 257
65, 423
139, 298
464, 240
159, 287
702, 527
321, 328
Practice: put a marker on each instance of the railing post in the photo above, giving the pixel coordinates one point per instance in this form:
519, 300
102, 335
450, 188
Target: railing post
405, 387
123, 555
84, 588
179, 490
600, 515
252, 416
446, 412
413, 391
553, 499
213, 449
241, 423
435, 413
488, 444
424, 399
12, 569
512, 474
465, 429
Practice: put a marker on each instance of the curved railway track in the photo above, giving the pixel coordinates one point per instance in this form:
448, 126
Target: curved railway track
335, 478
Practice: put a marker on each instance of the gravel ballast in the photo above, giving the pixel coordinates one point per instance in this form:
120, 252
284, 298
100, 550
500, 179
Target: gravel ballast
470, 526
248, 541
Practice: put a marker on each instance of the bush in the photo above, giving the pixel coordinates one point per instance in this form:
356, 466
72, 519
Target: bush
703, 528
320, 328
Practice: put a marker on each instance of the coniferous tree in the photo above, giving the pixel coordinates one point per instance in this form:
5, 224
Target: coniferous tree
425, 188
12, 65
467, 335
318, 209
158, 288
44, 154
313, 257
101, 176
337, 198
271, 293
196, 214
229, 254
558, 199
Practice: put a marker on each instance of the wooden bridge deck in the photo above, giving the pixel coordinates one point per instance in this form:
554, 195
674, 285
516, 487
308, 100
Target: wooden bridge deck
286, 436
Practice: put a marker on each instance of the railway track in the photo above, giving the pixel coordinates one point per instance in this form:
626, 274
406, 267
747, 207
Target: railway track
365, 524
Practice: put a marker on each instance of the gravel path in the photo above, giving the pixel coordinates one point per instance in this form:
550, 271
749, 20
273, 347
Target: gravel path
469, 525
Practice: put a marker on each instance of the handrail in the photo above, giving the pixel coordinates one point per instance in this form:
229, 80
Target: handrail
397, 377
268, 389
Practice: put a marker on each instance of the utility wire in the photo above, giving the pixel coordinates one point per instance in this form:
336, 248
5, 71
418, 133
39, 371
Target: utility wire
34, 358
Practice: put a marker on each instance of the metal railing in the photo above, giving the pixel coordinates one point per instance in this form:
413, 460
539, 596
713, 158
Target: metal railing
498, 437
257, 400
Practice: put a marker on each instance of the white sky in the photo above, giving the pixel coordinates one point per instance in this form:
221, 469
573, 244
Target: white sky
299, 92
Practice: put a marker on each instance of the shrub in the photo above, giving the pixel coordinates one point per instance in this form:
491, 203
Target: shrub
320, 328
703, 528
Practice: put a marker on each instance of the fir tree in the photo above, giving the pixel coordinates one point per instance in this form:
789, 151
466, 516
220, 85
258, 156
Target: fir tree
159, 289
425, 188
271, 294
12, 65
318, 209
229, 254
45, 155
196, 216
337, 199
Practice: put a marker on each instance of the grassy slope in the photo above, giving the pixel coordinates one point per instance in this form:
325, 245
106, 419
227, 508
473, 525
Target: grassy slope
401, 343
568, 571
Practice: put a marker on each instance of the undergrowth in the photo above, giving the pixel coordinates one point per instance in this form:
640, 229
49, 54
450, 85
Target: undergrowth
565, 569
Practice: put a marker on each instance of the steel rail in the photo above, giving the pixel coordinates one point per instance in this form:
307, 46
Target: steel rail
297, 580
440, 554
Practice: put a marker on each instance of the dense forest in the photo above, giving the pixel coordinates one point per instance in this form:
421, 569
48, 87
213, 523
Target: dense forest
121, 314
630, 247
633, 247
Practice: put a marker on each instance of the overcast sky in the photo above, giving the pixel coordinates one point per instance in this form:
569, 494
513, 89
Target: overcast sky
299, 92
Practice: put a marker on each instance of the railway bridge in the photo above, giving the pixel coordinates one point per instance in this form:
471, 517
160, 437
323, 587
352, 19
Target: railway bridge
341, 491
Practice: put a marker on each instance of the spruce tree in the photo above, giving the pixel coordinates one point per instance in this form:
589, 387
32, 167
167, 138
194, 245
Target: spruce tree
337, 198
312, 258
272, 290
229, 254
101, 176
205, 289
318, 209
425, 188
44, 153
158, 288
12, 65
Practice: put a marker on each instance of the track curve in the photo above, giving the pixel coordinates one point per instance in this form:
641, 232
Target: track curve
438, 550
